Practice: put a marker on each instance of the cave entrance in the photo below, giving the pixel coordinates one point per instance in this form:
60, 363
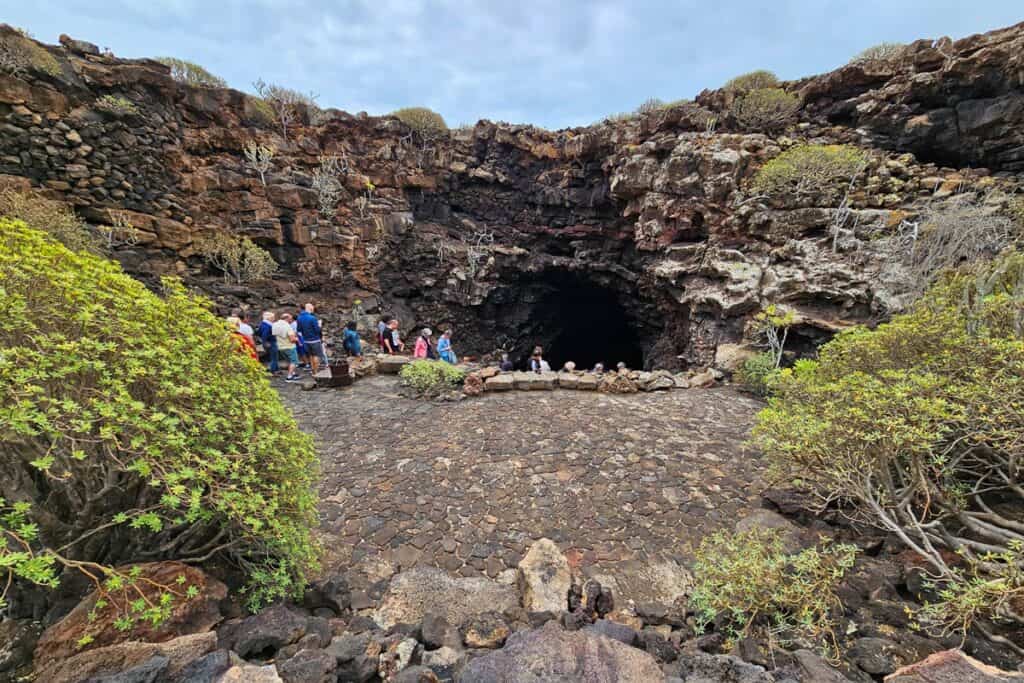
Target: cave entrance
580, 320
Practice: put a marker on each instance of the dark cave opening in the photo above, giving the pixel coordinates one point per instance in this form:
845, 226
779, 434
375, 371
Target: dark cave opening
576, 319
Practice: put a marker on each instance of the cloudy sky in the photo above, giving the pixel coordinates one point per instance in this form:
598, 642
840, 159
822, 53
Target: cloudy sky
553, 63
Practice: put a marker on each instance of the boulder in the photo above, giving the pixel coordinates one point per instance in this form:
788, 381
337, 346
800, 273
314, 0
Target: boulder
250, 673
18, 638
436, 632
445, 662
473, 385
705, 668
617, 384
730, 357
206, 669
610, 629
308, 666
702, 380
412, 594
503, 382
263, 634
396, 657
348, 646
552, 654
416, 674
659, 380
951, 666
107, 661
193, 615
391, 365
813, 668
544, 578
487, 630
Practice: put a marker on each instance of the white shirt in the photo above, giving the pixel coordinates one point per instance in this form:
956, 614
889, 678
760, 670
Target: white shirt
245, 330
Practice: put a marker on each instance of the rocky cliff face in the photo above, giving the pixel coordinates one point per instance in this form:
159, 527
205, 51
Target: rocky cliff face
641, 231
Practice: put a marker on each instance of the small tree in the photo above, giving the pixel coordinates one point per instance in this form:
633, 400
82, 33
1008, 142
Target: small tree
190, 73
773, 325
287, 104
425, 127
327, 183
240, 259
752, 81
765, 108
809, 169
260, 158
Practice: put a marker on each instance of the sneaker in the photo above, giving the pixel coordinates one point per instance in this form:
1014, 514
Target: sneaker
292, 378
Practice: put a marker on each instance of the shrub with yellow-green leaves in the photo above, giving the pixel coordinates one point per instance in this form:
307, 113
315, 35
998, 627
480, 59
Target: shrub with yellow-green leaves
918, 427
131, 428
809, 169
757, 373
190, 73
753, 81
116, 105
425, 123
765, 108
882, 52
48, 215
429, 377
748, 583
20, 54
238, 258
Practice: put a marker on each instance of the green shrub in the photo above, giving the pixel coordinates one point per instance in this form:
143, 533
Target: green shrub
650, 105
19, 54
750, 582
754, 80
131, 427
47, 215
757, 373
879, 53
809, 169
425, 123
239, 259
765, 108
116, 105
259, 111
431, 376
192, 74
918, 423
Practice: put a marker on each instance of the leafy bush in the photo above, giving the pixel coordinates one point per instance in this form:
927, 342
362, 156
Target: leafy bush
427, 124
809, 169
757, 373
192, 74
133, 429
285, 104
47, 215
918, 423
748, 581
764, 108
116, 105
19, 54
431, 376
240, 259
755, 80
879, 53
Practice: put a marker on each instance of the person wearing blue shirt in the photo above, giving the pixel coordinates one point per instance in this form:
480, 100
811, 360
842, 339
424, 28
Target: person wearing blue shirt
309, 328
352, 344
268, 340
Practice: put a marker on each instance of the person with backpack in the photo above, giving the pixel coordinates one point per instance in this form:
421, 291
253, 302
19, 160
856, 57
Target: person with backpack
351, 343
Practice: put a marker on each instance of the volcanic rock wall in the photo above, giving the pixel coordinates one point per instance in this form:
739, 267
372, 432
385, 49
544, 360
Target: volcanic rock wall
488, 228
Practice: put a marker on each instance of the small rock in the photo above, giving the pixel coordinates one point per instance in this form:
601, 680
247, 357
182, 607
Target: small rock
952, 666
263, 634
444, 662
345, 648
487, 631
308, 666
610, 629
544, 578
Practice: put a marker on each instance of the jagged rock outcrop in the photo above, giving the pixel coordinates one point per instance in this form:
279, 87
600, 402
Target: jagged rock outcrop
504, 232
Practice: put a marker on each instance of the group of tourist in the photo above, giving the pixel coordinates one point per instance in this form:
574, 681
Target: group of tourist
390, 342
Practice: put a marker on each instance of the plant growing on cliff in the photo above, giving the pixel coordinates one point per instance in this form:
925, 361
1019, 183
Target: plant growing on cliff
918, 424
426, 127
882, 52
431, 377
190, 73
327, 182
239, 258
809, 170
119, 232
749, 582
127, 438
47, 215
772, 324
19, 54
752, 81
651, 104
116, 105
287, 104
765, 108
260, 158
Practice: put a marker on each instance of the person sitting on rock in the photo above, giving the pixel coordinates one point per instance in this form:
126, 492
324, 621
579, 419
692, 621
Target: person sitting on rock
424, 345
444, 348
245, 344
506, 364
598, 368
537, 361
351, 343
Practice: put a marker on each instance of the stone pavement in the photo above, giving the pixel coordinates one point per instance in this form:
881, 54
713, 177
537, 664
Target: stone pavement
632, 482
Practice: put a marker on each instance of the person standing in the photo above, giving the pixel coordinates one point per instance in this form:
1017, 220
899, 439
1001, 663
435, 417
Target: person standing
269, 341
310, 328
394, 339
383, 333
286, 338
424, 345
444, 348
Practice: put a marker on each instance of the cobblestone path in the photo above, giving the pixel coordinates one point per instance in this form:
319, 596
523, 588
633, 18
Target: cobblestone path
467, 486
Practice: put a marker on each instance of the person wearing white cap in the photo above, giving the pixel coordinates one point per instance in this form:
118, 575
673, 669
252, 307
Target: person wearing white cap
424, 345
